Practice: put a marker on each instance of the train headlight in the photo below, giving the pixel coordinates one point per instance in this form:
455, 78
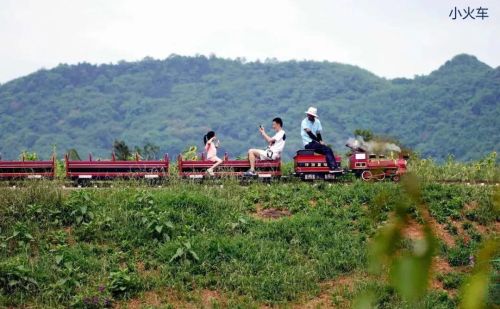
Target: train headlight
360, 156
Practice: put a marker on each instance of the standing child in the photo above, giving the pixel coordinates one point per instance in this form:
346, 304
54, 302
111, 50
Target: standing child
211, 145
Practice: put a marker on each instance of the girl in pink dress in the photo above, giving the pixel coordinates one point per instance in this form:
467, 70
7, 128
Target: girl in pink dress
211, 145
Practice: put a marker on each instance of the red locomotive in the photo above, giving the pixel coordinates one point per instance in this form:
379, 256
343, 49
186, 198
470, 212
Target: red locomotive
368, 166
376, 167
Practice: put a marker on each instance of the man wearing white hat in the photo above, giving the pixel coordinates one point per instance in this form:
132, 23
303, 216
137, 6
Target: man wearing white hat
310, 131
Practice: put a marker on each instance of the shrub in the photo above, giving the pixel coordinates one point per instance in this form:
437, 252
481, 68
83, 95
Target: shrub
79, 208
123, 283
460, 254
451, 280
15, 277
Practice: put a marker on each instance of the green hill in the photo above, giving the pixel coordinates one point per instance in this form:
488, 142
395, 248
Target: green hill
173, 102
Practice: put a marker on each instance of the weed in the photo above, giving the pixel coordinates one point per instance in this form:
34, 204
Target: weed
451, 280
461, 254
184, 254
123, 283
17, 278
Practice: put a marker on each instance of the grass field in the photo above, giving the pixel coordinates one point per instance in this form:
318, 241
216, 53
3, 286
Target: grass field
188, 245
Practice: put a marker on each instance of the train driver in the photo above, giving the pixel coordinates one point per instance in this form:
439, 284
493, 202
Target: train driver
310, 131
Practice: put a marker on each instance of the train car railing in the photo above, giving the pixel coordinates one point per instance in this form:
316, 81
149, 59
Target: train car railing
112, 169
229, 168
27, 169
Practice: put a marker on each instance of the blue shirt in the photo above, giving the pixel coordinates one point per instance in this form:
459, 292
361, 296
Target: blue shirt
315, 127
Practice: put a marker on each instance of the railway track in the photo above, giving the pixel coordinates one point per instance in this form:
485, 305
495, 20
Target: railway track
69, 185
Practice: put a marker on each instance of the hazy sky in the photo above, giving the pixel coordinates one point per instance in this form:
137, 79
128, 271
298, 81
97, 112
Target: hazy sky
392, 38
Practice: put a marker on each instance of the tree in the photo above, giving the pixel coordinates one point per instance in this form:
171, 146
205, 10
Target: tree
149, 151
366, 134
73, 154
452, 110
121, 150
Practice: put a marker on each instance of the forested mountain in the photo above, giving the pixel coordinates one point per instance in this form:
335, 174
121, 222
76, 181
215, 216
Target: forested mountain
173, 102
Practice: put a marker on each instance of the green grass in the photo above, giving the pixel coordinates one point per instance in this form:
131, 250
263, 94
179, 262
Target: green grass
483, 170
94, 247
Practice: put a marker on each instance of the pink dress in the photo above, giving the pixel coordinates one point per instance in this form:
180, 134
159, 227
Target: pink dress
211, 151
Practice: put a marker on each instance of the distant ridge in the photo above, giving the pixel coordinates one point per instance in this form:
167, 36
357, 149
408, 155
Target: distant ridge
172, 102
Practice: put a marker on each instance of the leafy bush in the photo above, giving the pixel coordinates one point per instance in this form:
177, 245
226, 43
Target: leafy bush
460, 254
184, 254
157, 224
21, 235
451, 280
445, 202
123, 283
79, 208
15, 277
143, 199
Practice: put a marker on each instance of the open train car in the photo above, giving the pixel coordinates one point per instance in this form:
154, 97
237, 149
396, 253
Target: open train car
309, 165
27, 169
84, 171
197, 169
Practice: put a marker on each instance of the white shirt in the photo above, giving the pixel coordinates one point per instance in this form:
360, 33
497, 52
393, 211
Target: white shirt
279, 142
211, 149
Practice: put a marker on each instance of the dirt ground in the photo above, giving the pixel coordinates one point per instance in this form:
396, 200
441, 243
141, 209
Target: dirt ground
271, 213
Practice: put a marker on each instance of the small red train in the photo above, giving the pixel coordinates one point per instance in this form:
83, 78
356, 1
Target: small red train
377, 167
307, 166
311, 166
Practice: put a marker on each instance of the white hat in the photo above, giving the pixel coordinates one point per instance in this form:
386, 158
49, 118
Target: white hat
313, 111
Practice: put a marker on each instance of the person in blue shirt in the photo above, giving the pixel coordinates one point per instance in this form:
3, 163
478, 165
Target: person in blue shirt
310, 131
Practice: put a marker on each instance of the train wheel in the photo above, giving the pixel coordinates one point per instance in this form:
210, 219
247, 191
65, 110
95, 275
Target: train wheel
396, 178
381, 177
82, 182
367, 175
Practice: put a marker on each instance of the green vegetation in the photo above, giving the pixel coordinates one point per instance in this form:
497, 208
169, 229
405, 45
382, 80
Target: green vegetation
92, 248
173, 102
123, 152
485, 169
28, 156
288, 243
